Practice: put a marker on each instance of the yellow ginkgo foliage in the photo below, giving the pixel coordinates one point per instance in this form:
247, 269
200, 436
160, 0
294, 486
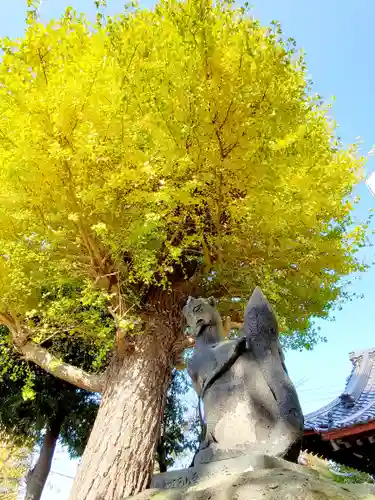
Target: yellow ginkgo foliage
13, 466
159, 154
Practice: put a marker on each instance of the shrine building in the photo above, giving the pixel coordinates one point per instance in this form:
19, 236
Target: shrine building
344, 430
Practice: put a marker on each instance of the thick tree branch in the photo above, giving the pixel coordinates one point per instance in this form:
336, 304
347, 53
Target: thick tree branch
6, 320
64, 371
50, 363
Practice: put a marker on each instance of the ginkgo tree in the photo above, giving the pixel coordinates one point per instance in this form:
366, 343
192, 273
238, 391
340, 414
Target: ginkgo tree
147, 157
14, 460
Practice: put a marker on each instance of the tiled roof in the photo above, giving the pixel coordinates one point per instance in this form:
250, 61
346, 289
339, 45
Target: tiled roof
356, 405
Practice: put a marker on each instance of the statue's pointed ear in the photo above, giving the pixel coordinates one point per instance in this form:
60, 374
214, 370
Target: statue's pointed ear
260, 320
212, 301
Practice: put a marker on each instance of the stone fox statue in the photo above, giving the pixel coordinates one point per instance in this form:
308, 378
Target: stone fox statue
250, 404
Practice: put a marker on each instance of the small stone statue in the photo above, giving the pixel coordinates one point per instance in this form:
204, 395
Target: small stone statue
250, 404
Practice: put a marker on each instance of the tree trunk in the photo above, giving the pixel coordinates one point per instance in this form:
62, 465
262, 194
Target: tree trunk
37, 477
161, 455
119, 456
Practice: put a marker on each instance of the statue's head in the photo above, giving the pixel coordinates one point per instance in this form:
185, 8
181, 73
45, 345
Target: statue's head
203, 319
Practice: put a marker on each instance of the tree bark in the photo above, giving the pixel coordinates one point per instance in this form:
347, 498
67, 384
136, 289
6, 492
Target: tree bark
119, 456
37, 477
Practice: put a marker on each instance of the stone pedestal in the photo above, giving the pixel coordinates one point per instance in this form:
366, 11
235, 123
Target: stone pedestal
245, 463
270, 479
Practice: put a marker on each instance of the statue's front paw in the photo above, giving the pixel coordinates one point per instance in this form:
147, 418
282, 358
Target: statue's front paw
204, 444
209, 440
203, 456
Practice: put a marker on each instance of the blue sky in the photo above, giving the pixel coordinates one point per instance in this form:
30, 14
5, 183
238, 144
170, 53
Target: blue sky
338, 39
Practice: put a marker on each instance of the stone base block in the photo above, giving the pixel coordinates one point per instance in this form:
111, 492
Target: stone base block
284, 482
244, 463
